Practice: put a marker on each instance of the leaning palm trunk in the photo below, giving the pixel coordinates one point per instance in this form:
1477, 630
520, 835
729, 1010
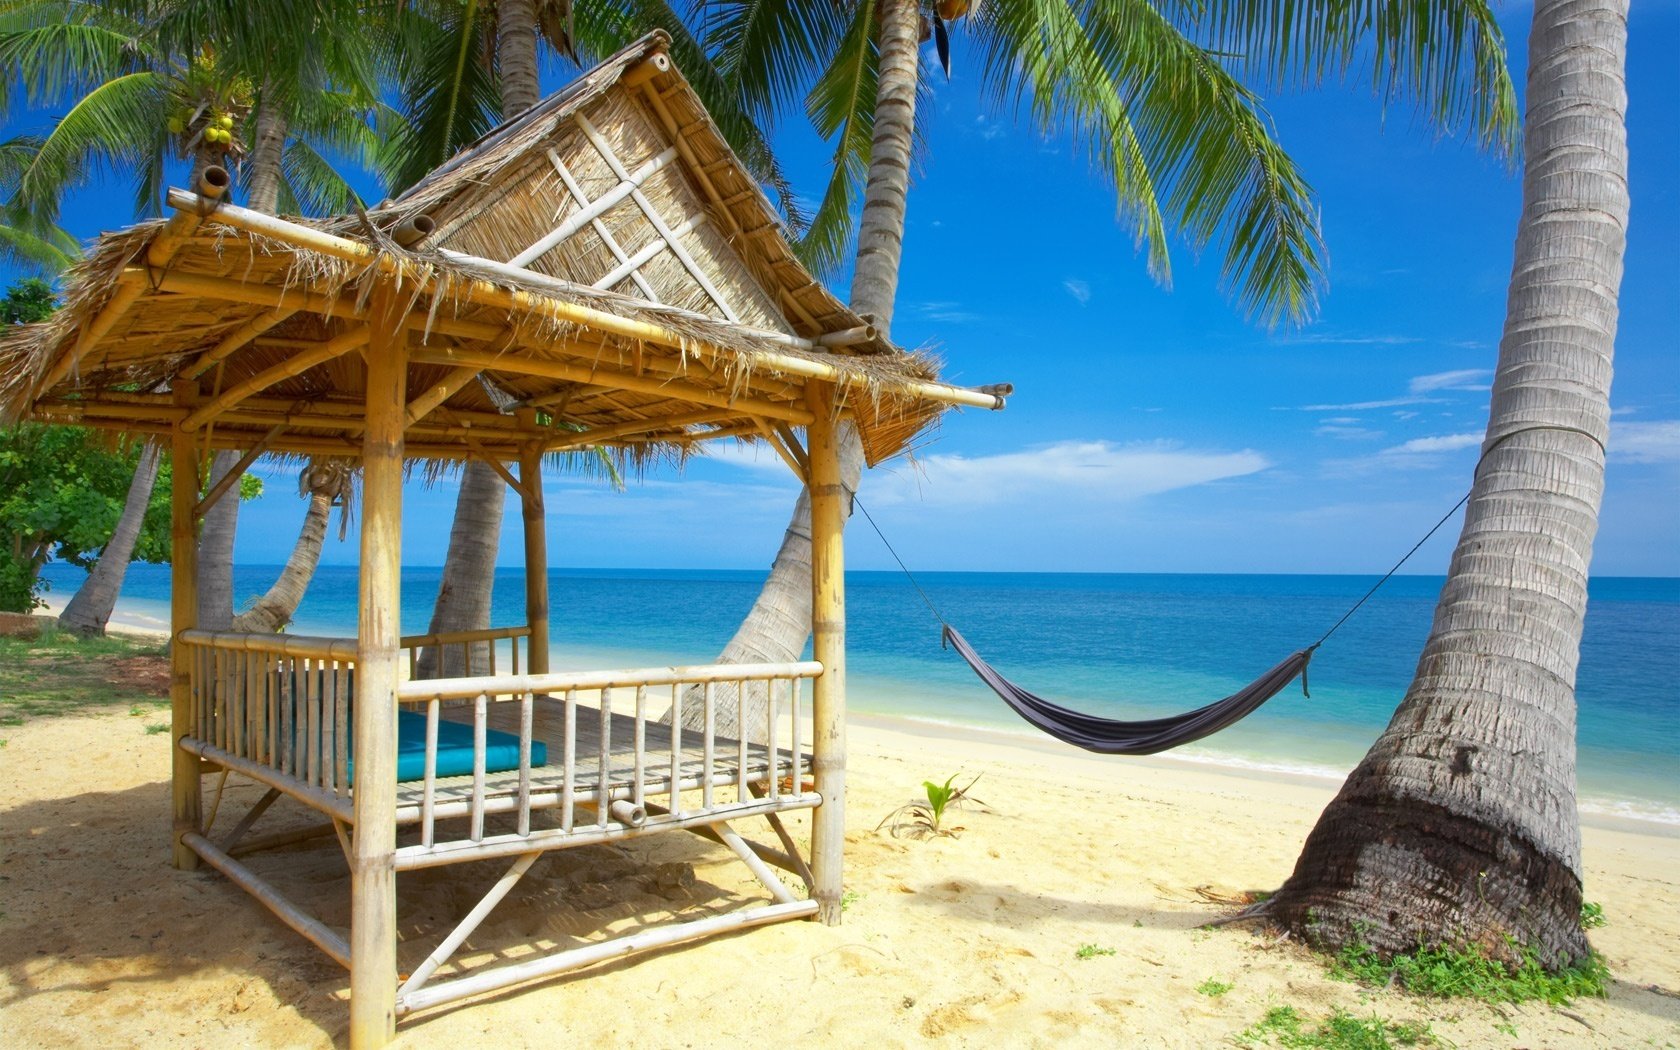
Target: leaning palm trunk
90, 608
323, 482
777, 626
1460, 825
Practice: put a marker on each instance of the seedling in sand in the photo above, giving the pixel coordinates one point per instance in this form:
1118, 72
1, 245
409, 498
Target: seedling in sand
925, 818
1284, 1026
1091, 951
1213, 987
157, 727
1592, 915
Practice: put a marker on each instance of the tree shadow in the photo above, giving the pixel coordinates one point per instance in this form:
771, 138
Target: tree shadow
89, 901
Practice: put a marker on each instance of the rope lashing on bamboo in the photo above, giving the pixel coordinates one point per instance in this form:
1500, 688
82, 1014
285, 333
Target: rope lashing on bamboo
1111, 736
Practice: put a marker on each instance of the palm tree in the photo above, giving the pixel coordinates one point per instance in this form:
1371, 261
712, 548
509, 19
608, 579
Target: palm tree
147, 80
1460, 827
325, 483
1144, 88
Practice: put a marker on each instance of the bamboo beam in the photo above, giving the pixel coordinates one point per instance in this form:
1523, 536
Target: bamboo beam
496, 977
674, 389
604, 148
536, 547
600, 227
235, 339
557, 682
646, 253
313, 930
185, 789
297, 364
600, 206
828, 632
423, 403
597, 435
774, 438
486, 293
231, 478
373, 871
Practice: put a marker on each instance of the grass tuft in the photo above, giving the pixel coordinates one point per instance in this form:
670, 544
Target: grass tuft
1283, 1026
1091, 951
1213, 987
1468, 973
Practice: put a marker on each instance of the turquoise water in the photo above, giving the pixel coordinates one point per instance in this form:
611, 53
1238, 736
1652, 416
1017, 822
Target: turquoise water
1122, 645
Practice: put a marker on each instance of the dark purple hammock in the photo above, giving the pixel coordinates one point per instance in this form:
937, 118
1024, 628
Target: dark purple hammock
1109, 736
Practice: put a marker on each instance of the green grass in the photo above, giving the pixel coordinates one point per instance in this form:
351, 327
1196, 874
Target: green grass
1592, 915
1284, 1026
157, 727
1213, 987
1091, 951
60, 673
1466, 972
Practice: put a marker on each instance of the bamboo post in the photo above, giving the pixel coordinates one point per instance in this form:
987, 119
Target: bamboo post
373, 869
536, 546
828, 633
183, 616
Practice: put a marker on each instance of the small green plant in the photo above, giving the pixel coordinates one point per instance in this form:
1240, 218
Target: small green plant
925, 817
848, 898
157, 727
1091, 951
136, 711
1285, 1027
1213, 987
1467, 972
1592, 915
1506, 1028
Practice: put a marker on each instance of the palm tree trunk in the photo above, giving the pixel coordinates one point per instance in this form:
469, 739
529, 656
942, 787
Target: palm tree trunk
469, 567
516, 55
90, 608
215, 549
779, 622
262, 193
469, 571
1460, 824
275, 609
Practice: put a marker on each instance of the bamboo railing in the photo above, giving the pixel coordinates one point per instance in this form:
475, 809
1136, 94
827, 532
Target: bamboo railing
606, 761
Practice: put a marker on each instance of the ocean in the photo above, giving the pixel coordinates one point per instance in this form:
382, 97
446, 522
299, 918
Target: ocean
1124, 646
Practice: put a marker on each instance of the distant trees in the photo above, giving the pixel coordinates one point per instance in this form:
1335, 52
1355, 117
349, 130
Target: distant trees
1460, 827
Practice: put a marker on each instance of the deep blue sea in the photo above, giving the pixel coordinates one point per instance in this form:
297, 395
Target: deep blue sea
1123, 645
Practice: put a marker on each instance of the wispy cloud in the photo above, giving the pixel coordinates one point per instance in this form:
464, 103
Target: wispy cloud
988, 129
1347, 339
1425, 446
1366, 406
946, 312
1657, 441
1080, 290
1347, 432
1477, 379
1063, 474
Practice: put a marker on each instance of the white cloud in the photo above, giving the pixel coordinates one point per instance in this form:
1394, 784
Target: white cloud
1064, 474
1366, 406
1080, 290
1344, 432
946, 312
1657, 441
1459, 379
1429, 445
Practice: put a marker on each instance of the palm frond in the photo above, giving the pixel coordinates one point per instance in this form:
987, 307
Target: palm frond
842, 109
1448, 56
768, 52
450, 96
59, 60
48, 250
314, 183
1177, 134
116, 125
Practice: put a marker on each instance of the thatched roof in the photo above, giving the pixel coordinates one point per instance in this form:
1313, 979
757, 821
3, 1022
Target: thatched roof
602, 259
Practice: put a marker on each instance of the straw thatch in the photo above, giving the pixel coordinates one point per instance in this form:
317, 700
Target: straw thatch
710, 328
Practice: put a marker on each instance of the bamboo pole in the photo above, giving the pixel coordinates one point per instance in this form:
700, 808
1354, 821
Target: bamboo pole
292, 366
599, 206
589, 681
828, 627
235, 339
187, 799
439, 392
312, 928
373, 872
582, 373
536, 547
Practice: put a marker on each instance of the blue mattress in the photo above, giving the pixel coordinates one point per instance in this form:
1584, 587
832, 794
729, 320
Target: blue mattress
454, 750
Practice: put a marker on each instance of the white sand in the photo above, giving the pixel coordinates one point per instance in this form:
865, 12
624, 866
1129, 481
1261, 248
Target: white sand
966, 941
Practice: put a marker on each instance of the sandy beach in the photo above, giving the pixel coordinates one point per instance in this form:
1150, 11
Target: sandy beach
971, 940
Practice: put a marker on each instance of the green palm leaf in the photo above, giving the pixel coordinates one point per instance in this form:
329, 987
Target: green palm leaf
842, 109
116, 127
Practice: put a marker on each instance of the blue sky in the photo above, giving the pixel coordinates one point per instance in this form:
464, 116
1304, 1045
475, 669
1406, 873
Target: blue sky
1157, 430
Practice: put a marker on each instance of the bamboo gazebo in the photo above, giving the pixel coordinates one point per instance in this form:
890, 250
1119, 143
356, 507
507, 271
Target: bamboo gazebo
600, 271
